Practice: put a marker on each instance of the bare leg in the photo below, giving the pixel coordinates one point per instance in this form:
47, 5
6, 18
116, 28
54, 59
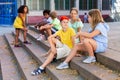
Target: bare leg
48, 60
77, 47
52, 42
90, 46
49, 31
24, 35
16, 37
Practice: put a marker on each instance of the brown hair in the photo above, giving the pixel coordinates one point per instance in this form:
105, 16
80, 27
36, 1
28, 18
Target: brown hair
96, 16
74, 9
53, 14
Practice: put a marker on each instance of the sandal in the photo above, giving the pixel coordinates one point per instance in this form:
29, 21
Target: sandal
37, 71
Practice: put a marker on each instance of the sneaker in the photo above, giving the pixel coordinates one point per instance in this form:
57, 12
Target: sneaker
63, 66
37, 71
41, 37
26, 42
90, 59
17, 45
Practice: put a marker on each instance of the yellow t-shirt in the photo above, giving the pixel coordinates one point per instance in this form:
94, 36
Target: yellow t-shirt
18, 23
66, 37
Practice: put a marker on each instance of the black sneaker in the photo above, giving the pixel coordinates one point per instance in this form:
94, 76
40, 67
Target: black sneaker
26, 42
37, 71
17, 45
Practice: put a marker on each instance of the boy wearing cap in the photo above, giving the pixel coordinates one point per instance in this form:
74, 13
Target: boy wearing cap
59, 49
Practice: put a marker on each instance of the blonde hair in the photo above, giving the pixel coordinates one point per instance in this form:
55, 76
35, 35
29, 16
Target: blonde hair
53, 14
96, 16
73, 9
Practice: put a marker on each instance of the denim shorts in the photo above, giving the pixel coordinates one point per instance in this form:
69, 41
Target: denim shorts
101, 47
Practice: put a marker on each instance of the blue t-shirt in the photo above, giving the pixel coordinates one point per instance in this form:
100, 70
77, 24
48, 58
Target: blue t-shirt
103, 28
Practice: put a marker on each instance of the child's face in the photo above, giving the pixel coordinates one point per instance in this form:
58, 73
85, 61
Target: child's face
89, 19
25, 9
73, 14
46, 15
64, 24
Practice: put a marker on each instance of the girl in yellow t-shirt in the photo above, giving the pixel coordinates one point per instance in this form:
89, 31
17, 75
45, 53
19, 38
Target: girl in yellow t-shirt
19, 24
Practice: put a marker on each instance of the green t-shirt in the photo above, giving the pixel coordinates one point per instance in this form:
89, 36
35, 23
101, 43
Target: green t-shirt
76, 25
56, 23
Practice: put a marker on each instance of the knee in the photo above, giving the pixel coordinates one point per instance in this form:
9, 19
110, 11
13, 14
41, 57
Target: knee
17, 34
86, 41
53, 52
51, 39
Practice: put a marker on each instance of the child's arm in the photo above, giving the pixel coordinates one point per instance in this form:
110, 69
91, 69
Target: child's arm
47, 26
21, 15
89, 35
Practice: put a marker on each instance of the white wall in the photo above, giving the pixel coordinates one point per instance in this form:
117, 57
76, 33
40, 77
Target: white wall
61, 12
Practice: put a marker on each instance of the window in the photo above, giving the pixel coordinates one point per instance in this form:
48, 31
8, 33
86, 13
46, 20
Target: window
83, 4
87, 4
105, 5
64, 4
38, 4
67, 4
92, 4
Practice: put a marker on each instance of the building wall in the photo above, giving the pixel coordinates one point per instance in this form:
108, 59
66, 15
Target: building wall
63, 7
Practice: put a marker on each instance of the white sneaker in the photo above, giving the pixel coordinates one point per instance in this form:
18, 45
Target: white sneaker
62, 66
90, 59
41, 37
37, 36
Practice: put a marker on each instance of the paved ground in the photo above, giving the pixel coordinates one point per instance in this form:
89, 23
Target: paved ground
6, 29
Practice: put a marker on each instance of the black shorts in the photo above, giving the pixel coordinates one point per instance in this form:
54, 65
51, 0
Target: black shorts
17, 28
54, 30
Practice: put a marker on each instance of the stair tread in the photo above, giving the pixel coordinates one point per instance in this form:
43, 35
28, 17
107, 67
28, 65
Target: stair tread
25, 61
8, 64
108, 55
68, 74
111, 55
99, 71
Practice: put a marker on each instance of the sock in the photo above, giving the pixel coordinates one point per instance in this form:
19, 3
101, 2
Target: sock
41, 68
65, 63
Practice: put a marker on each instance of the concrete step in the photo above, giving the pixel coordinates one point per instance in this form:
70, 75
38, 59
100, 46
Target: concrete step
24, 61
85, 70
107, 57
9, 69
0, 72
37, 51
33, 29
111, 59
94, 70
